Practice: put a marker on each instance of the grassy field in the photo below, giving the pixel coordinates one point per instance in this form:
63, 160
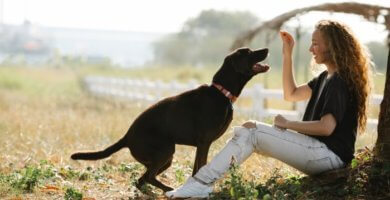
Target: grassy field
45, 117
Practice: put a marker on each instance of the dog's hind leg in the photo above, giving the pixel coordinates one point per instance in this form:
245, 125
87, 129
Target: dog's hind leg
166, 166
150, 177
155, 168
141, 181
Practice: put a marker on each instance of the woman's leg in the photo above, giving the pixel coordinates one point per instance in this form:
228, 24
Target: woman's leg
237, 150
300, 151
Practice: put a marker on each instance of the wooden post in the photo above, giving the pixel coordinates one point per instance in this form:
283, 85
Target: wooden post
258, 101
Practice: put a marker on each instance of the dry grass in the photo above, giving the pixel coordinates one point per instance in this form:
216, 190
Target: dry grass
44, 115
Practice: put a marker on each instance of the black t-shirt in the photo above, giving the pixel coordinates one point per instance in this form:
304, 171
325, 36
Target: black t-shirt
335, 99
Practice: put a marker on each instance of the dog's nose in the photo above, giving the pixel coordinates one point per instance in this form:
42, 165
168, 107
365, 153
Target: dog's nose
266, 51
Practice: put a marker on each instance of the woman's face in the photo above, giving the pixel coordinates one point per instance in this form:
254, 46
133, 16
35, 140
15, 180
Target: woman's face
318, 48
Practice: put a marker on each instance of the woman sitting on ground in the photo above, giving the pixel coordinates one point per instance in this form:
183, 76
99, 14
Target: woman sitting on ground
336, 111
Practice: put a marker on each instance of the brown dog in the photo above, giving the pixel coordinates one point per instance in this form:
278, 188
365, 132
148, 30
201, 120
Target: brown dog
196, 117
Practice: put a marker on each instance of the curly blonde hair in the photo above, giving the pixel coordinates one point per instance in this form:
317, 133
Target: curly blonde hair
352, 61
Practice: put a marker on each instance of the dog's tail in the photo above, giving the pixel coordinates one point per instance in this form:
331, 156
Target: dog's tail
100, 154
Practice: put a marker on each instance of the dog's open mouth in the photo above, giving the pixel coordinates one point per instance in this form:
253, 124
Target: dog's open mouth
260, 68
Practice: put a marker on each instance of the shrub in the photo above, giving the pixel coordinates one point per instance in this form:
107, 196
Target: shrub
73, 194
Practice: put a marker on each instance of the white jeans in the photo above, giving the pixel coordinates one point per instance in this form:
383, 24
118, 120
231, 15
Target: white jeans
302, 152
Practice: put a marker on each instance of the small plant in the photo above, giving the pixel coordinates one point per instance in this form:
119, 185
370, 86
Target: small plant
84, 176
73, 194
106, 168
98, 175
69, 173
237, 187
124, 168
129, 167
146, 192
278, 187
4, 188
179, 174
133, 169
26, 179
47, 169
3, 178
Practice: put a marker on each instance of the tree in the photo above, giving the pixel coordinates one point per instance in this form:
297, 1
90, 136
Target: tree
382, 146
368, 11
203, 40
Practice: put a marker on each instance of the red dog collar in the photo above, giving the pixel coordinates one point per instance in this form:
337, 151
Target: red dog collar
225, 92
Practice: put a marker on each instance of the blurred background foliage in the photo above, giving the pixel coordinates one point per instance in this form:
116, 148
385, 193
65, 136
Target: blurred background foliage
203, 42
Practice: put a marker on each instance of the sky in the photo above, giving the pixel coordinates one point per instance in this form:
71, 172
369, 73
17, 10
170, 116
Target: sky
165, 16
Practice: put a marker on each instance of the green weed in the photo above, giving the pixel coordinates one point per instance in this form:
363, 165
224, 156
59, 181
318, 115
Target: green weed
129, 167
180, 176
73, 194
27, 178
235, 187
68, 173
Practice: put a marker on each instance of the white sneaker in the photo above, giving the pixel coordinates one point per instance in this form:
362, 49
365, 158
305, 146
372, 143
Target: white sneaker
191, 188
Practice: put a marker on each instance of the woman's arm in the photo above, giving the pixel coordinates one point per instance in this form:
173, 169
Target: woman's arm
290, 90
323, 127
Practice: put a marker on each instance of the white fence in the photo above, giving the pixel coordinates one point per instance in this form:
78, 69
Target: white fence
251, 102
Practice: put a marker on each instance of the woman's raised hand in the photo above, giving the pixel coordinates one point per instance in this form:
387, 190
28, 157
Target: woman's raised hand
288, 42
